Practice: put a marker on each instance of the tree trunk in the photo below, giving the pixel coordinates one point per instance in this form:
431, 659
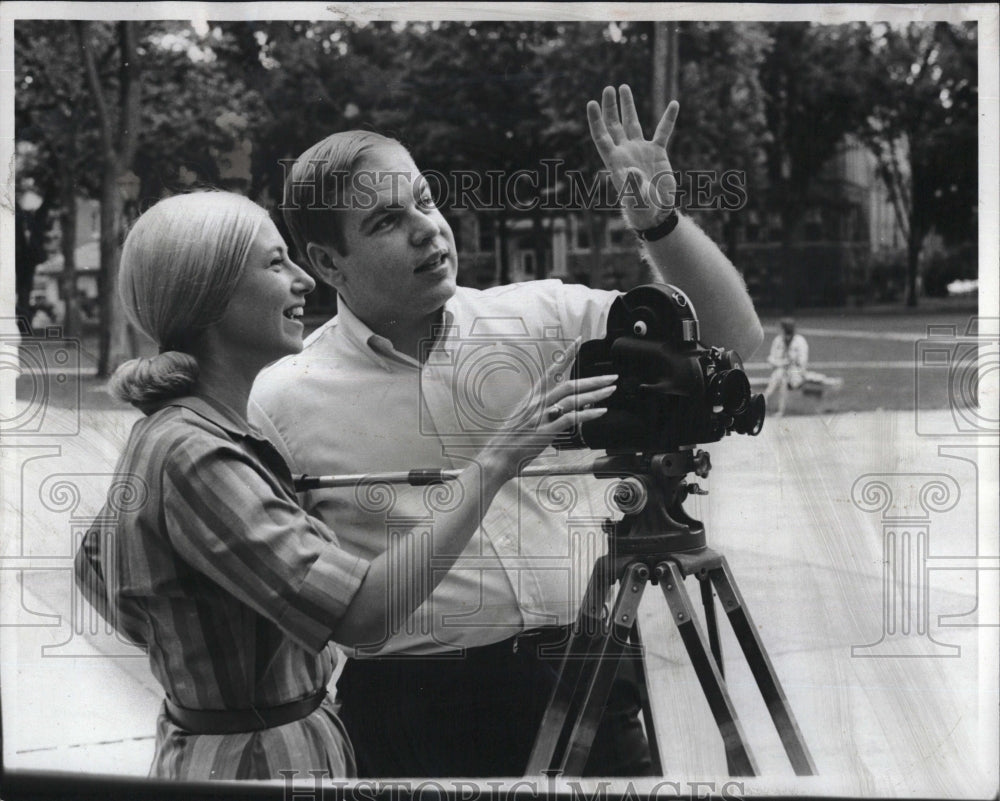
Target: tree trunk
789, 297
503, 260
538, 237
913, 244
665, 66
118, 138
115, 345
67, 281
67, 222
598, 226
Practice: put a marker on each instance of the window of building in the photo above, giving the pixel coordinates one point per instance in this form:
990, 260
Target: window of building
486, 237
812, 227
616, 237
528, 262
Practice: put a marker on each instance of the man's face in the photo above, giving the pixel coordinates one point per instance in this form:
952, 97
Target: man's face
399, 265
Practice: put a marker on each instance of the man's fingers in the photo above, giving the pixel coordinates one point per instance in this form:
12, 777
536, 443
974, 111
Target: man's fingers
630, 118
609, 105
599, 131
666, 125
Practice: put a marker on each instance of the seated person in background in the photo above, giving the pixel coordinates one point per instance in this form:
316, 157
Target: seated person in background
789, 356
413, 372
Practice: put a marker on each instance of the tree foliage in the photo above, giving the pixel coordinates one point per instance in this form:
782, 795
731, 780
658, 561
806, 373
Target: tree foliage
224, 103
813, 79
922, 126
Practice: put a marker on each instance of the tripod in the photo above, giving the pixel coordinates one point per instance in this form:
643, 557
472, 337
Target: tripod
656, 542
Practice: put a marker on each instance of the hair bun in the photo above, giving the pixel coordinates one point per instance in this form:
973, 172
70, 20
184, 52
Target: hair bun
142, 382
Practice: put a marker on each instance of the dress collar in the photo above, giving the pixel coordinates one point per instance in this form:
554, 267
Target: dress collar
212, 410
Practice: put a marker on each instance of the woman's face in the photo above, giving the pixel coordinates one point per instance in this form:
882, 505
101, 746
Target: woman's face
263, 319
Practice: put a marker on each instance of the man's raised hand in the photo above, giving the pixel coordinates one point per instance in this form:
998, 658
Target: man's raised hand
640, 168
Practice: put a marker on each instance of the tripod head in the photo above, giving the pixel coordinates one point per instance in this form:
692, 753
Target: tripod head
651, 494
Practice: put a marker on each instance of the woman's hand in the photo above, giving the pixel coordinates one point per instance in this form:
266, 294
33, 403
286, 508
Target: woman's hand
555, 406
640, 168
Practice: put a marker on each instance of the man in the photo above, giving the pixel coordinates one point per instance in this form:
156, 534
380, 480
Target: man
416, 372
789, 356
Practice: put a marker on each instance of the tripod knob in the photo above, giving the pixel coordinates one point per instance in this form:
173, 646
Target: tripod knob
630, 496
702, 464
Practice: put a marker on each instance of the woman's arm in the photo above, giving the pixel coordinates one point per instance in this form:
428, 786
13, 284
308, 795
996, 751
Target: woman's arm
228, 516
368, 619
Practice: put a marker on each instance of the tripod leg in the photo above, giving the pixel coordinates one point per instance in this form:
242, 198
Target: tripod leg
647, 709
603, 664
763, 670
711, 623
741, 761
550, 742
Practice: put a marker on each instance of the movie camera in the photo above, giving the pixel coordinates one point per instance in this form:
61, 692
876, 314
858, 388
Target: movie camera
673, 392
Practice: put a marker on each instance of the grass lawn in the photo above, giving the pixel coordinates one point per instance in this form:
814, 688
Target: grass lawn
874, 350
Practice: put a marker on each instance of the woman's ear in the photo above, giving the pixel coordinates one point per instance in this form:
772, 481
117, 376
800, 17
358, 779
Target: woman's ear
324, 260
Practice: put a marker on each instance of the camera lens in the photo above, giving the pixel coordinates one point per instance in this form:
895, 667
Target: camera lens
752, 420
729, 392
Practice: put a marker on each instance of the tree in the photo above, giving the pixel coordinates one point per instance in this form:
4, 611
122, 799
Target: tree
98, 135
118, 121
60, 130
723, 127
465, 101
814, 78
922, 127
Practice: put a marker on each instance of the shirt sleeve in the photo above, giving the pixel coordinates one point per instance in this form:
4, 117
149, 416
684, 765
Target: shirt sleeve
802, 351
259, 418
228, 517
91, 581
584, 311
777, 356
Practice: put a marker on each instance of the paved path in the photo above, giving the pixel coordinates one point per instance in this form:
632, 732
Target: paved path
916, 718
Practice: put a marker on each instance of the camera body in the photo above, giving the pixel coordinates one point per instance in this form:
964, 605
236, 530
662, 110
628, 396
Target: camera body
673, 392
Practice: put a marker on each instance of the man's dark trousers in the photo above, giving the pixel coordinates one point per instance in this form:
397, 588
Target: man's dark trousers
476, 714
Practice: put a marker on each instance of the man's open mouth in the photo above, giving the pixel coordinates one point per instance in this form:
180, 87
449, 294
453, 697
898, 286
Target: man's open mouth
432, 263
294, 313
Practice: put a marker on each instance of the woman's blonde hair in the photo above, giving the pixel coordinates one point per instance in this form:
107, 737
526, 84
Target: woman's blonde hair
180, 265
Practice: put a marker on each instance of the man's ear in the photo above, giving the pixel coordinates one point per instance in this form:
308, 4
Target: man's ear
324, 260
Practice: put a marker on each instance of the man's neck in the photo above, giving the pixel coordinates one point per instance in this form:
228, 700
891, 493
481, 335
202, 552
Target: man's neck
407, 336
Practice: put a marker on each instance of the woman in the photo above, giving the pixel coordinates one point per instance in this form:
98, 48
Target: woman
235, 592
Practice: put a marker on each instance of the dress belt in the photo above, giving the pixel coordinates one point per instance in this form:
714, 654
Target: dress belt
234, 721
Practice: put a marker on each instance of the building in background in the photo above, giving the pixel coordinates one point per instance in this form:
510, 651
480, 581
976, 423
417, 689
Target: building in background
45, 294
850, 249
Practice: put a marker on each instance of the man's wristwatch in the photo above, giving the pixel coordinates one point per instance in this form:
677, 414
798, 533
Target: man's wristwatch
661, 229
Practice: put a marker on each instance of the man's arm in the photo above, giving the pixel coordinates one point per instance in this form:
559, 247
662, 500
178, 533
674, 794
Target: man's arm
685, 257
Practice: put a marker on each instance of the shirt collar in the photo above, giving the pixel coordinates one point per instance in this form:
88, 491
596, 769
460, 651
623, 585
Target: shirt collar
212, 410
377, 346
